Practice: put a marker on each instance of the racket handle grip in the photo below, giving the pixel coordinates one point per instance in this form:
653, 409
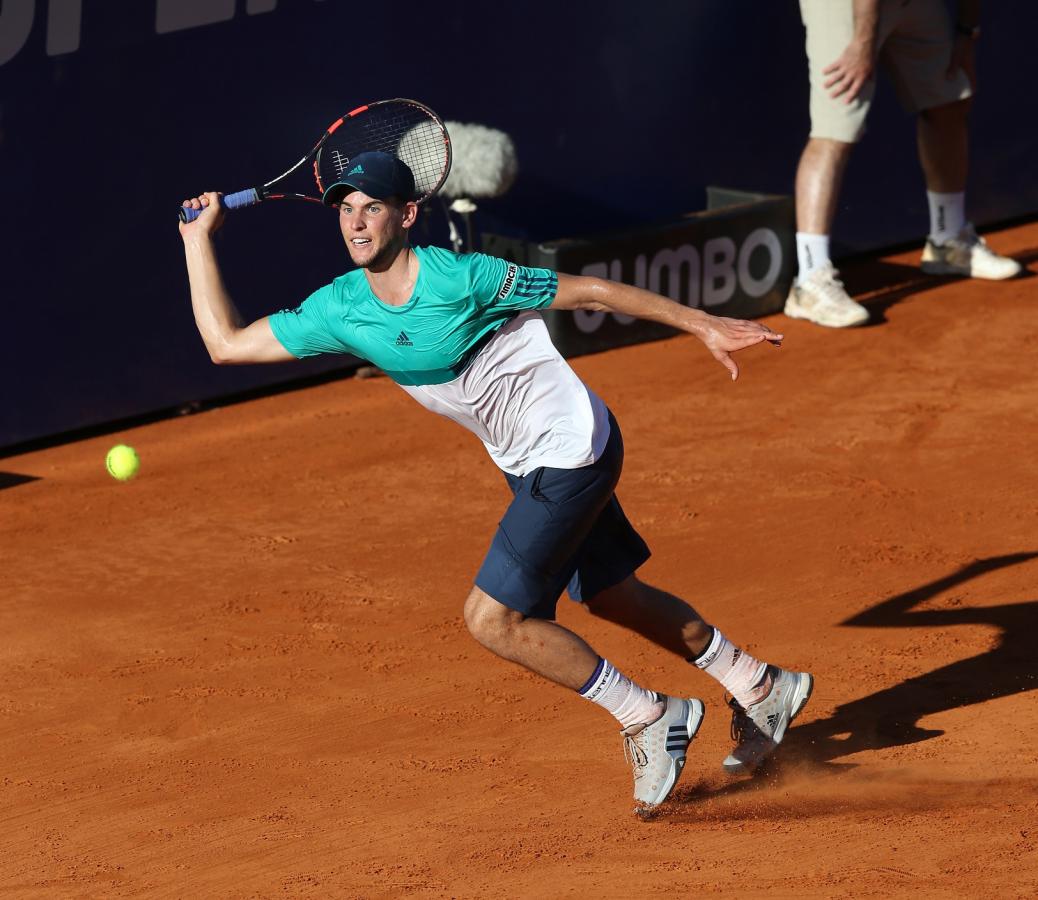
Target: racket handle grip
248, 197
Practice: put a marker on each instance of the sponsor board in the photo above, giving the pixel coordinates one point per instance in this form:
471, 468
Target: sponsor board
736, 258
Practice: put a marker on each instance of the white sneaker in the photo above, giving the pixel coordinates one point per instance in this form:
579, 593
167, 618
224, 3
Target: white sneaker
821, 298
758, 730
656, 750
967, 254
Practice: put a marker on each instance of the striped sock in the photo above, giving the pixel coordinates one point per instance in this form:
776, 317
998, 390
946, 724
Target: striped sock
614, 691
743, 676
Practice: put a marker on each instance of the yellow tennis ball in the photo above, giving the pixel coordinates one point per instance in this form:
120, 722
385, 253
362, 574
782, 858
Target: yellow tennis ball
122, 462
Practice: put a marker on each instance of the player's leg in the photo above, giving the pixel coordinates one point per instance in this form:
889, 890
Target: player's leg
666, 620
511, 611
765, 698
657, 729
817, 294
540, 645
917, 56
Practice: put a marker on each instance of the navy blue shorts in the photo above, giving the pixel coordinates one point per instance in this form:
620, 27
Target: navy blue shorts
563, 527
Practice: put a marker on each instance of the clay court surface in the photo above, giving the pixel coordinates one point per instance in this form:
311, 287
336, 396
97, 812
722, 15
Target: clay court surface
245, 674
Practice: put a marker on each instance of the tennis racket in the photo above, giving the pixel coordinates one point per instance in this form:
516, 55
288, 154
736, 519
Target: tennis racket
406, 128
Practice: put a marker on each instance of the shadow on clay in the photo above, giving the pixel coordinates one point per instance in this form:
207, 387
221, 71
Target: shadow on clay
879, 284
890, 717
13, 479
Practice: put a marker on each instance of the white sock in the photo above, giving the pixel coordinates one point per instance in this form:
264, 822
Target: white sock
947, 215
742, 675
629, 703
812, 253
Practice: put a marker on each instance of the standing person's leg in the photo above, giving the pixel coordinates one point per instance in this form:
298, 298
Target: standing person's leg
818, 181
919, 58
511, 609
953, 246
765, 698
942, 135
817, 294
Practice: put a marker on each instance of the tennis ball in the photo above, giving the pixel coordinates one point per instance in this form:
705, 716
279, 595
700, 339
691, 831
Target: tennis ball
122, 462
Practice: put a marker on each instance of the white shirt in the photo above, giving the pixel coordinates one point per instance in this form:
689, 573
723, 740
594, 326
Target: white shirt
523, 401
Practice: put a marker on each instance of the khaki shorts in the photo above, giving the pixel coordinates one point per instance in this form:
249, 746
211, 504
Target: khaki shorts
915, 41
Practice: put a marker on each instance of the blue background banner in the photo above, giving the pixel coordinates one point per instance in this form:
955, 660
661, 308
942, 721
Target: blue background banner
112, 112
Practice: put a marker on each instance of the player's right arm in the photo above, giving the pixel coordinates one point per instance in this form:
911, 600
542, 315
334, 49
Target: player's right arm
219, 323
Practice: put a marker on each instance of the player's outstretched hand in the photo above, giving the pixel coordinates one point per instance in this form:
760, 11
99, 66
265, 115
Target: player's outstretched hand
724, 336
212, 214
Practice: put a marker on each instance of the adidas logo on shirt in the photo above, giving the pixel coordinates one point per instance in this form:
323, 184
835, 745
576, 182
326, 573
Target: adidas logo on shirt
403, 340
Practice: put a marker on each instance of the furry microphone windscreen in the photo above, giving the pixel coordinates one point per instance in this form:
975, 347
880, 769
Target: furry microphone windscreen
484, 161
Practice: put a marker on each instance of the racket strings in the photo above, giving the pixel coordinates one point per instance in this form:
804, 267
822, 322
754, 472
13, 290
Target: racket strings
404, 130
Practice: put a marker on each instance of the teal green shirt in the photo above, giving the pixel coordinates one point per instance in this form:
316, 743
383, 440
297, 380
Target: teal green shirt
459, 303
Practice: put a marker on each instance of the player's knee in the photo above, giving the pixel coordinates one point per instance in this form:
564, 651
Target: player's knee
490, 622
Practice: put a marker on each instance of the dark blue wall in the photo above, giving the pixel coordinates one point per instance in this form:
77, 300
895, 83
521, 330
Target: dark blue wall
621, 114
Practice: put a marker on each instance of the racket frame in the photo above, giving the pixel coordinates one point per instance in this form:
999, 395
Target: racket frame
252, 196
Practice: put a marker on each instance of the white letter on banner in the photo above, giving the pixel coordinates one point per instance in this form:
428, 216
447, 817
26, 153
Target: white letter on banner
673, 262
586, 320
177, 15
761, 237
15, 24
718, 259
63, 21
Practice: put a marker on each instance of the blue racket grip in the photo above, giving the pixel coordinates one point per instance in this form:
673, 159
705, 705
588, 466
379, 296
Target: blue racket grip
248, 197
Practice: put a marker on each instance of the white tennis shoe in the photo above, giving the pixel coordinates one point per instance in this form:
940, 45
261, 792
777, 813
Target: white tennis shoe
759, 729
968, 254
821, 298
656, 750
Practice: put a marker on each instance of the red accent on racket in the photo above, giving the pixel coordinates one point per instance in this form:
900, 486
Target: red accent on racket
404, 128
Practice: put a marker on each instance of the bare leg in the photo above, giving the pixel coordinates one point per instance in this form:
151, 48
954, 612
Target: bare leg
942, 134
660, 617
539, 645
819, 177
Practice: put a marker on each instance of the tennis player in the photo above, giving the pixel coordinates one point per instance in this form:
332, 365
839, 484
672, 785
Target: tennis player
462, 335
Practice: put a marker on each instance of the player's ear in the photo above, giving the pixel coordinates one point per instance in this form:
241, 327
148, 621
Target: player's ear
410, 212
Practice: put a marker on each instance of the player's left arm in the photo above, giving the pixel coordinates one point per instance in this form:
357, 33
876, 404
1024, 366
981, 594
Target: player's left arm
722, 336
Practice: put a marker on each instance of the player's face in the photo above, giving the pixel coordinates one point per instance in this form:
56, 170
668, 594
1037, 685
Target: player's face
375, 231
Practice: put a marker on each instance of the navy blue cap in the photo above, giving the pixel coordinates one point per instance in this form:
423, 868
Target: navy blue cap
379, 175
